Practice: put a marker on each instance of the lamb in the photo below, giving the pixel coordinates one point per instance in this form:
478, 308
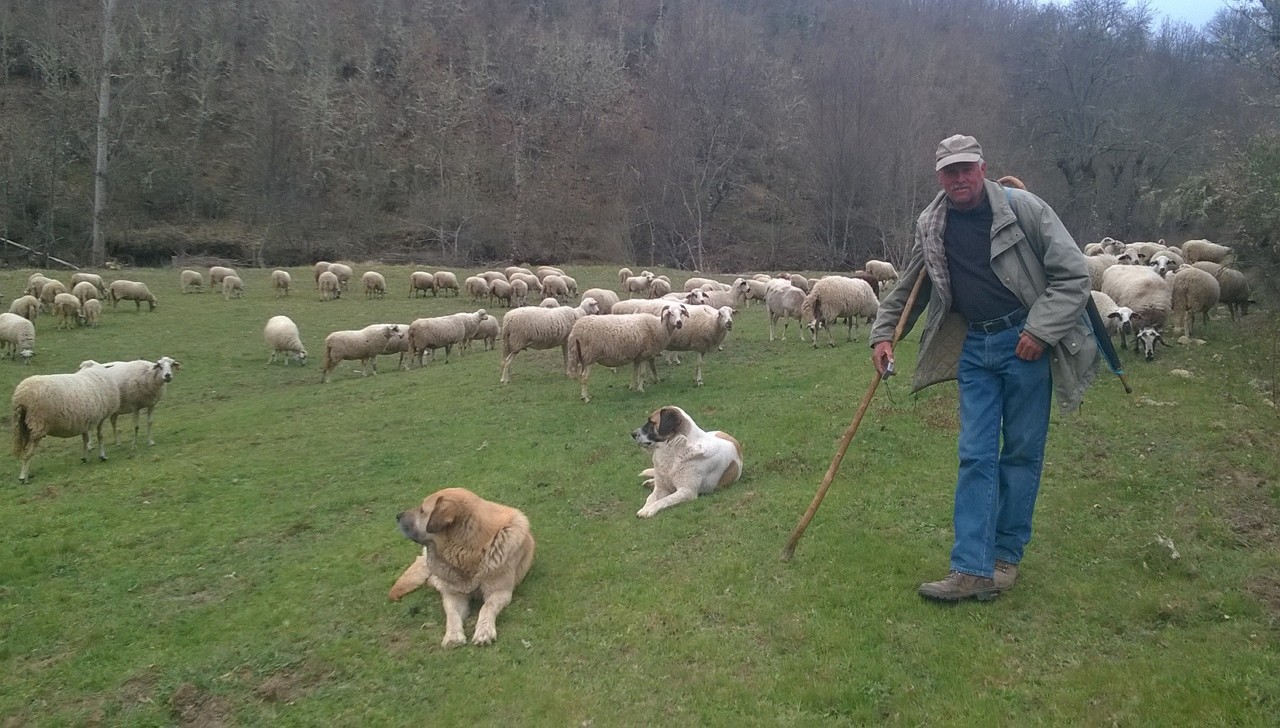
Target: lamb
61, 405
135, 291
1193, 291
477, 288
191, 279
330, 286
217, 273
67, 308
281, 334
617, 339
83, 291
232, 287
421, 281
784, 301
835, 297
1194, 251
883, 271
1141, 290
375, 284
141, 386
438, 332
17, 337
445, 280
703, 332
92, 312
487, 333
363, 344
1233, 287
343, 272
501, 291
280, 282
320, 267
1097, 265
28, 307
751, 289
541, 328
637, 284
605, 298
92, 278
555, 286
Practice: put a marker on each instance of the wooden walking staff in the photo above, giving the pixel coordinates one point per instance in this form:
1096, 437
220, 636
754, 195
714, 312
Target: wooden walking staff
798, 531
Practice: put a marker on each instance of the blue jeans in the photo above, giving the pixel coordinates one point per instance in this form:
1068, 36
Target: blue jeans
1004, 398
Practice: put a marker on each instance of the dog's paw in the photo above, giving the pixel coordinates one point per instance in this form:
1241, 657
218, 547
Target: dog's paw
645, 512
454, 640
485, 635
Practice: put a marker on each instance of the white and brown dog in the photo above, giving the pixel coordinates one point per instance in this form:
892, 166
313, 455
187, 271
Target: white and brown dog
688, 461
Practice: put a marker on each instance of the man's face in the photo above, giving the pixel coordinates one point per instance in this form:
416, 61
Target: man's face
962, 182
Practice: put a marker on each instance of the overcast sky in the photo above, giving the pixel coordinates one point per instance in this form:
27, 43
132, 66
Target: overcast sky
1196, 12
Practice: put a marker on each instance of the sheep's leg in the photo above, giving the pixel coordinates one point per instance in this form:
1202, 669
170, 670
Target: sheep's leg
653, 369
456, 607
772, 320
583, 379
102, 444
115, 433
150, 442
697, 379
84, 442
850, 322
28, 452
506, 366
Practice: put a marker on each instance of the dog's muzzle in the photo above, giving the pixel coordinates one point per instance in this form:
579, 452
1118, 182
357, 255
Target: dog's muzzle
642, 437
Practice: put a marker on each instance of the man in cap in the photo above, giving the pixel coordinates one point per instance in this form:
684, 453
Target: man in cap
1005, 291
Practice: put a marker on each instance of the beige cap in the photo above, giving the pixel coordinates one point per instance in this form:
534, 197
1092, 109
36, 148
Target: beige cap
958, 148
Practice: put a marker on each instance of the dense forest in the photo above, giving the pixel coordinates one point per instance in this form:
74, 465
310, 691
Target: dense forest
700, 134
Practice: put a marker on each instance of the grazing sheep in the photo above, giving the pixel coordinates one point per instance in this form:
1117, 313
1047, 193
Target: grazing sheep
1192, 291
1097, 265
487, 333
605, 298
281, 334
784, 301
67, 309
421, 281
540, 328
532, 283
92, 312
320, 267
280, 282
445, 281
442, 332
28, 307
623, 274
375, 284
572, 284
703, 332
35, 284
363, 344
617, 339
476, 287
1145, 341
490, 276
192, 279
51, 291
511, 270
330, 286
837, 297
343, 272
659, 287
93, 278
141, 386
1142, 291
555, 286
217, 273
637, 284
1233, 287
549, 303
61, 405
84, 291
17, 337
519, 293
1194, 251
501, 291
135, 291
883, 271
232, 287
547, 270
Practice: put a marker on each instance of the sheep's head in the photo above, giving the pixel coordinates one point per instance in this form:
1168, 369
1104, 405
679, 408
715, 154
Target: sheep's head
301, 356
674, 315
696, 297
1126, 316
26, 355
724, 316
1163, 264
1147, 338
166, 366
589, 306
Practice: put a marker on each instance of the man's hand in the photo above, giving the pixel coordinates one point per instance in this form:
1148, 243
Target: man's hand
881, 355
1029, 347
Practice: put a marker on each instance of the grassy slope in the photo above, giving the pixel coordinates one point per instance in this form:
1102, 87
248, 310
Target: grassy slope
237, 571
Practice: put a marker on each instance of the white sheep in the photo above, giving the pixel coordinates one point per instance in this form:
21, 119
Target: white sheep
487, 333
1142, 291
703, 332
50, 291
28, 307
1194, 251
837, 297
217, 273
320, 267
93, 278
637, 284
751, 289
1233, 287
477, 288
442, 332
1162, 263
659, 287
281, 334
605, 298
445, 281
490, 276
281, 281
232, 287
519, 292
61, 405
1111, 246
1097, 265
330, 286
511, 270
421, 281
83, 291
501, 290
718, 298
92, 312
191, 279
68, 311
651, 306
533, 286
549, 303
1107, 311
141, 386
784, 301
343, 272
555, 286
547, 270
796, 280
617, 339
623, 274
1192, 291
375, 284
135, 291
17, 337
882, 270
362, 344
541, 328
705, 284
35, 284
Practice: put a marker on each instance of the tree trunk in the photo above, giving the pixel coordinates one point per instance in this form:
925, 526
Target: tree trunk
98, 253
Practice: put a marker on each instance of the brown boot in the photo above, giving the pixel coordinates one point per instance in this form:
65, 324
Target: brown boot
958, 586
1006, 574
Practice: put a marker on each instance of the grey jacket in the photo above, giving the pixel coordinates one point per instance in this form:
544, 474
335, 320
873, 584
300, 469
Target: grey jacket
1035, 256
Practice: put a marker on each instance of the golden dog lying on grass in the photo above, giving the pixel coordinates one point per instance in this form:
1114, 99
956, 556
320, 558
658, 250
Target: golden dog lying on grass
471, 548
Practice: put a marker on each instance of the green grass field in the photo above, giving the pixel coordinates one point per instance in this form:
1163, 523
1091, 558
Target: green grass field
236, 572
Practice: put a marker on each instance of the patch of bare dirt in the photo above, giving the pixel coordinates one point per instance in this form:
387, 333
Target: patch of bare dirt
1248, 509
1266, 589
198, 708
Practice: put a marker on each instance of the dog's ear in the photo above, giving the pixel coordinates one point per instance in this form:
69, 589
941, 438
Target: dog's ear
443, 515
668, 421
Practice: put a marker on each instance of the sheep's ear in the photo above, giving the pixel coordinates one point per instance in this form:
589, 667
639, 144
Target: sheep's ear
1114, 314
1135, 315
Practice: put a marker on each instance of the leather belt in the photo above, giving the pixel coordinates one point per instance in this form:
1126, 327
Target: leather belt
1000, 324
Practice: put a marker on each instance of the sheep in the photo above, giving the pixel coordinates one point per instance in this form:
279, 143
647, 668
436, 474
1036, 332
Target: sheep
605, 298
490, 276
281, 334
421, 281
487, 333
1141, 290
330, 286
1097, 265
83, 291
91, 278
1162, 263
445, 280
719, 298
141, 386
51, 291
320, 267
1145, 341
92, 312
1194, 251
554, 286
35, 284
280, 282
547, 270
232, 287
17, 337
784, 302
539, 328
572, 284
375, 284
659, 287
835, 297
1111, 246
652, 306
1233, 287
637, 284
477, 288
67, 307
696, 282
1107, 311
519, 293
623, 274
617, 339
438, 332
1093, 249
549, 303
511, 270
61, 405
363, 344
751, 289
531, 282
883, 271
28, 307
796, 280
191, 279
135, 291
217, 273
501, 291
702, 332
1192, 291
343, 272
